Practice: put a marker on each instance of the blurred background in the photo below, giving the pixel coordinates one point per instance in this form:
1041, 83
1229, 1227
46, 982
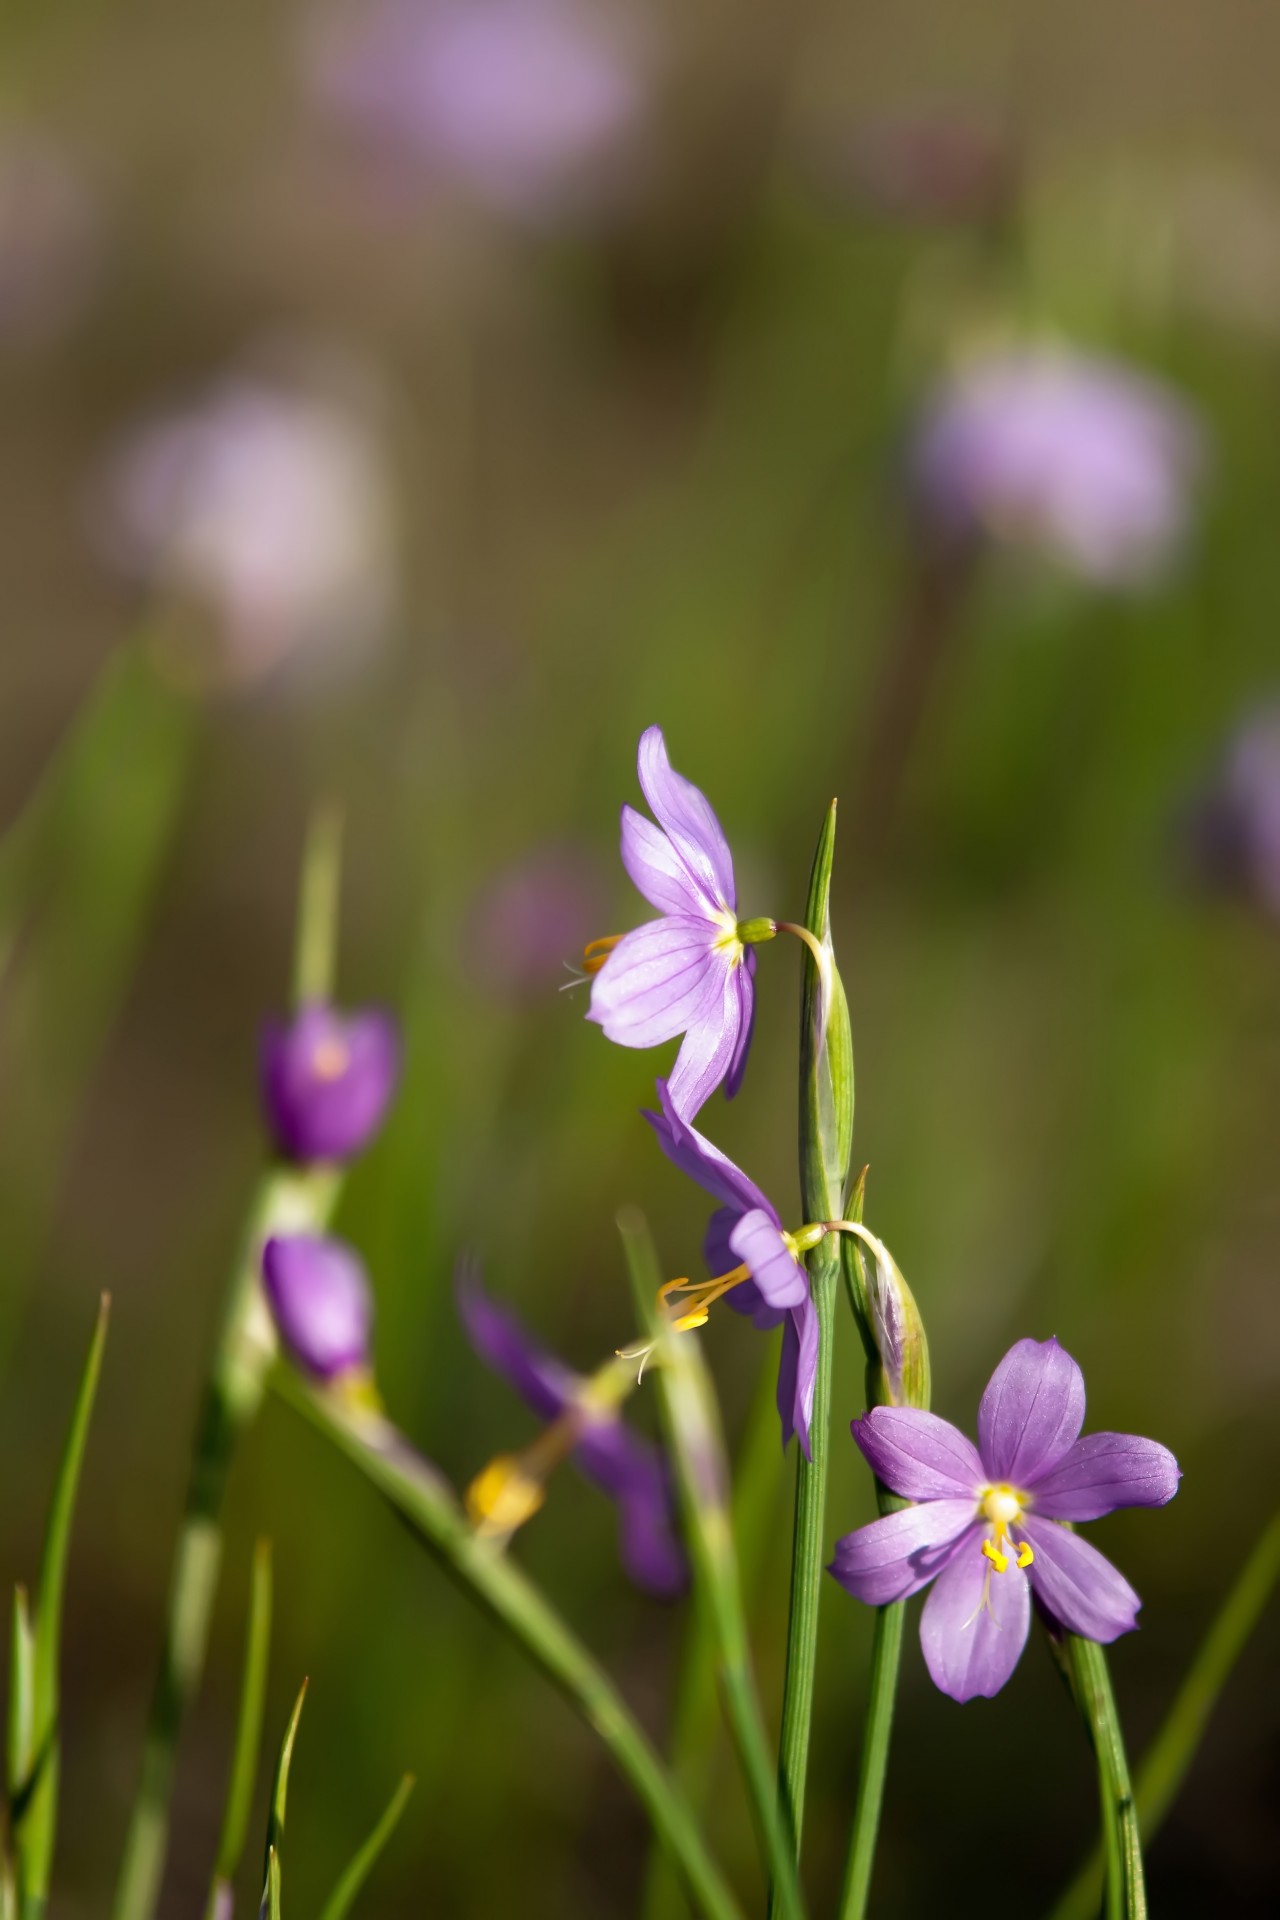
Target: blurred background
408, 401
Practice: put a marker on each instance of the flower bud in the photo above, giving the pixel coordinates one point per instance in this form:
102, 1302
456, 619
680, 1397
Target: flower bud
321, 1302
327, 1080
892, 1330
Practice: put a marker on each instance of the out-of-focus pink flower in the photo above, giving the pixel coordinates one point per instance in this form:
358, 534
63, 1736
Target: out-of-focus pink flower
48, 235
1085, 457
529, 104
527, 918
266, 510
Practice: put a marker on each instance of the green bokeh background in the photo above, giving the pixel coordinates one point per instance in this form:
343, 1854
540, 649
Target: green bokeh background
651, 476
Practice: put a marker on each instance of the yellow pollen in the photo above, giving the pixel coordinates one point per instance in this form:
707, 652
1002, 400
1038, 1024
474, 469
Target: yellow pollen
330, 1058
596, 952
1000, 1561
1025, 1555
502, 1497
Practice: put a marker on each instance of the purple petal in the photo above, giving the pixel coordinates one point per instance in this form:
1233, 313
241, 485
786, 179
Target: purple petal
321, 1301
686, 814
509, 1349
1077, 1584
709, 1048
798, 1372
894, 1557
1031, 1412
694, 1154
1105, 1471
657, 980
918, 1455
657, 870
759, 1245
975, 1622
647, 1543
327, 1080
744, 978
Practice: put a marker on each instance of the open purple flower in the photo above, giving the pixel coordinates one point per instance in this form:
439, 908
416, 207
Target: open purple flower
755, 1263
321, 1301
985, 1523
610, 1454
327, 1080
691, 971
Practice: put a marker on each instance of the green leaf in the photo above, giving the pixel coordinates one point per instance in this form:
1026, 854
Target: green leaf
280, 1786
33, 1833
344, 1895
270, 1908
244, 1763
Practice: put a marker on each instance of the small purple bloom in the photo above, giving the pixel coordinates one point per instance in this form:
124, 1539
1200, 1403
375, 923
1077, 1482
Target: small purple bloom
688, 972
1234, 830
321, 1302
1084, 456
614, 1458
327, 1080
746, 1232
985, 1521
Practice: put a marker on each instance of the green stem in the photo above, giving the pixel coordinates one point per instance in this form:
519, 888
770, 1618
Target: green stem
1091, 1683
427, 1504
287, 1200
886, 1652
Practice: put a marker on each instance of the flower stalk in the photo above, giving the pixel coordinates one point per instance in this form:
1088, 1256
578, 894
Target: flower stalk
1090, 1681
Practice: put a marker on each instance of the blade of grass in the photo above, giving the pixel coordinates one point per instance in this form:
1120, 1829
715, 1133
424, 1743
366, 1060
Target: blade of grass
280, 1784
1168, 1759
427, 1504
21, 1726
37, 1795
345, 1894
244, 1762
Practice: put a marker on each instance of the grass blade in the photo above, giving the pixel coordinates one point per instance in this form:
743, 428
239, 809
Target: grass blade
244, 1763
21, 1728
344, 1895
280, 1785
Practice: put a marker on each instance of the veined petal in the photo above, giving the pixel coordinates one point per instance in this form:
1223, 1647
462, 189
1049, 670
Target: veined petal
975, 1623
709, 1046
758, 1243
918, 1455
1105, 1471
694, 1154
798, 1372
656, 980
656, 868
1078, 1585
686, 814
894, 1557
744, 980
1031, 1412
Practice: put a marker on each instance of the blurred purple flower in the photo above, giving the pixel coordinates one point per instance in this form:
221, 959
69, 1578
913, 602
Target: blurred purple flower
327, 1081
49, 239
529, 915
527, 103
321, 1302
1234, 829
984, 1523
266, 510
628, 1468
688, 972
747, 1247
1085, 457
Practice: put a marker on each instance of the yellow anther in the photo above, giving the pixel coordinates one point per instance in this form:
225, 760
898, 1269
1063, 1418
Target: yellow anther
1025, 1555
596, 952
330, 1058
696, 1317
503, 1496
1000, 1561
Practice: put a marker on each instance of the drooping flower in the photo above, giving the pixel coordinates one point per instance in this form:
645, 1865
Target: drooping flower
327, 1080
532, 105
619, 1461
693, 970
754, 1262
321, 1301
985, 1523
1083, 456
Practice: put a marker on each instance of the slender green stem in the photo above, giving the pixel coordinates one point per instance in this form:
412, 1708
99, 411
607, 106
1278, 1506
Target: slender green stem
1091, 1683
427, 1504
886, 1652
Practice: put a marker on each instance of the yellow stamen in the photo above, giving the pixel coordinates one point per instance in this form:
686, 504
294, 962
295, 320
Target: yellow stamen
596, 952
1000, 1561
502, 1497
330, 1058
1025, 1555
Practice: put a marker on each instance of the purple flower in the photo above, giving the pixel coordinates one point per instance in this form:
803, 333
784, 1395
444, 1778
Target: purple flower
1083, 456
321, 1302
689, 972
327, 1080
1234, 830
747, 1248
985, 1522
531, 104
614, 1458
